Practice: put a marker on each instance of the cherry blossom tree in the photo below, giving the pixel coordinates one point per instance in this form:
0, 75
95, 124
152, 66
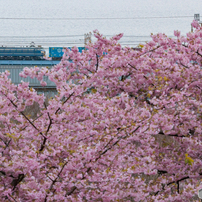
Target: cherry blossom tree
123, 126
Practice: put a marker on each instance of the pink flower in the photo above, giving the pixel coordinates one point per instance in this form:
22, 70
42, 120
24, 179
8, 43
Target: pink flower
43, 83
47, 58
177, 33
79, 176
195, 24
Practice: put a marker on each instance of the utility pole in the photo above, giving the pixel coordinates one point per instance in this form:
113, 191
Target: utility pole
196, 18
200, 194
87, 38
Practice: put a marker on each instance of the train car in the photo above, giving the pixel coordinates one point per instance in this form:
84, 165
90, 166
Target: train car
21, 53
56, 53
80, 49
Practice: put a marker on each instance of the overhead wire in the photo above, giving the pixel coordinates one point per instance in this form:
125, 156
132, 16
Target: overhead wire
41, 36
97, 18
59, 36
64, 40
82, 18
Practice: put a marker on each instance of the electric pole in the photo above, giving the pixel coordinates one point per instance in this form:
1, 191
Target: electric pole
87, 38
196, 18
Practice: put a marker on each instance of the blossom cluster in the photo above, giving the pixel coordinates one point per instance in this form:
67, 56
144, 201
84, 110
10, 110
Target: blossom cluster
123, 126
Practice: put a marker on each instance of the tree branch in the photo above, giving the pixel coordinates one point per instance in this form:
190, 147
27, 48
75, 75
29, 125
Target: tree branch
23, 114
45, 137
132, 66
97, 62
172, 135
54, 181
150, 50
198, 53
12, 197
71, 191
64, 102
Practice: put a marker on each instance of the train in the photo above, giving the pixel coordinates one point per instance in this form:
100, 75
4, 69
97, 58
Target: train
31, 53
35, 53
22, 53
56, 53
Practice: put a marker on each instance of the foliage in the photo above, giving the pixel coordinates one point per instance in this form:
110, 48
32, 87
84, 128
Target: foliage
124, 126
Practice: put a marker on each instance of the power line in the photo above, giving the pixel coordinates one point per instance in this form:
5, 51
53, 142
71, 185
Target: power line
99, 18
59, 42
40, 36
63, 44
66, 36
40, 40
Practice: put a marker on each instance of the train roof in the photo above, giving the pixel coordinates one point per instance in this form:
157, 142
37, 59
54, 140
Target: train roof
20, 47
29, 62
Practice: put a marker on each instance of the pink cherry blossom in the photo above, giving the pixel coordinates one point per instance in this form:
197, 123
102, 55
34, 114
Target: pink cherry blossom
123, 126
